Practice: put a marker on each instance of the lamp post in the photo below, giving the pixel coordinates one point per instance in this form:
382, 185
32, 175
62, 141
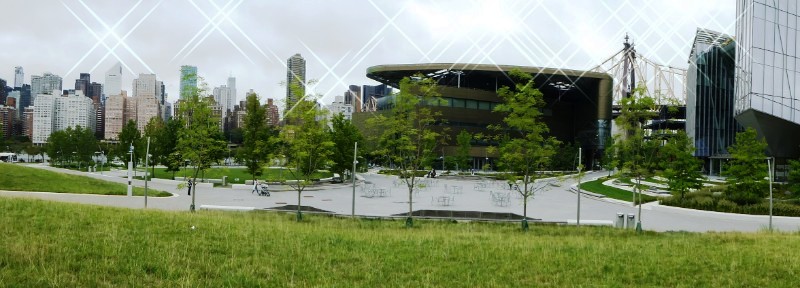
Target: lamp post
770, 163
580, 165
355, 161
130, 172
146, 162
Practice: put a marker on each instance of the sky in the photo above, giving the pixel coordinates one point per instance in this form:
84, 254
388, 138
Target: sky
251, 39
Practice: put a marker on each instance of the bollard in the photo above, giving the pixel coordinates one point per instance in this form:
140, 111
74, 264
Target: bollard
631, 221
224, 180
620, 222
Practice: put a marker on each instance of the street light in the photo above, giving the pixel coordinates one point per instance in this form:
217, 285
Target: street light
130, 172
770, 163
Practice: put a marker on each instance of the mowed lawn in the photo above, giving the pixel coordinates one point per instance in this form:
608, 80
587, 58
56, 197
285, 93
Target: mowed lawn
596, 186
235, 175
48, 244
15, 177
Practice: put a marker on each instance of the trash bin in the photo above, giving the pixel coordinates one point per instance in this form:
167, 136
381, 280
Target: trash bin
620, 222
631, 221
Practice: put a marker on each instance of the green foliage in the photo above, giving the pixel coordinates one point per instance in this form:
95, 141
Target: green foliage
15, 177
748, 168
524, 143
258, 141
406, 133
306, 142
344, 135
129, 136
200, 141
463, 145
794, 177
73, 145
565, 158
706, 199
638, 157
681, 168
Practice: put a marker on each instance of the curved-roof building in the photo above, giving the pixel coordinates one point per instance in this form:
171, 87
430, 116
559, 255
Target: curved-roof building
578, 108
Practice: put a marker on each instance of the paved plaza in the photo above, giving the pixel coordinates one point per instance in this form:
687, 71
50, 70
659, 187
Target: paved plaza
380, 195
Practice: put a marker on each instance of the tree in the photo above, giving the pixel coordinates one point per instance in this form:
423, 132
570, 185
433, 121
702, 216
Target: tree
407, 135
794, 176
464, 144
748, 168
200, 140
565, 157
257, 144
524, 146
610, 159
344, 136
636, 154
307, 146
129, 136
167, 145
155, 130
681, 168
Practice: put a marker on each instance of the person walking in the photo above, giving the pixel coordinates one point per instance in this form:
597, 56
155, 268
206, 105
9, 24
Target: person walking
255, 187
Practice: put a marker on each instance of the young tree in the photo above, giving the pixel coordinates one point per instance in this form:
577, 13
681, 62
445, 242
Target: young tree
748, 168
155, 129
200, 140
407, 135
524, 146
681, 168
257, 141
307, 145
794, 176
637, 154
344, 136
464, 144
167, 145
129, 136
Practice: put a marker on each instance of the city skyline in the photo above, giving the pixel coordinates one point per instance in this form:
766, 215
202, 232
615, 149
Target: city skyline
339, 40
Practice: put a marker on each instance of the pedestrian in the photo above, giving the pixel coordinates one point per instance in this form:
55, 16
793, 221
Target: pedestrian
190, 187
255, 187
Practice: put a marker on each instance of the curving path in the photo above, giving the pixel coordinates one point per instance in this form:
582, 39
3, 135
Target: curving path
554, 204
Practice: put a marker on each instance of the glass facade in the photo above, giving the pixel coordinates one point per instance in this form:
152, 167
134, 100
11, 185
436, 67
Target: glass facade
710, 94
767, 70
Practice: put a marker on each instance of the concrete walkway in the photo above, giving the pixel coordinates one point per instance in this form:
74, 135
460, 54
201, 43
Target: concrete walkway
555, 203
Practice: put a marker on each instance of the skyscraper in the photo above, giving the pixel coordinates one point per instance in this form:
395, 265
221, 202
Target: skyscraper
709, 103
767, 72
82, 84
295, 76
225, 96
146, 94
45, 84
188, 81
113, 84
19, 77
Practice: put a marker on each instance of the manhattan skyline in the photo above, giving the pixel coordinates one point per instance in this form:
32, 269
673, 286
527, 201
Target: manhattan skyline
251, 40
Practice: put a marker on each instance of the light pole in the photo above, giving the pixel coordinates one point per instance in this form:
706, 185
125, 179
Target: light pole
146, 162
130, 172
770, 163
580, 165
355, 161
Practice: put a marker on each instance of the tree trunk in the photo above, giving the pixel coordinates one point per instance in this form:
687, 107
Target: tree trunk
410, 220
299, 213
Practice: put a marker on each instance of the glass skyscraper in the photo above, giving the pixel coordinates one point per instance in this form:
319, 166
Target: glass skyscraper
188, 81
709, 102
767, 72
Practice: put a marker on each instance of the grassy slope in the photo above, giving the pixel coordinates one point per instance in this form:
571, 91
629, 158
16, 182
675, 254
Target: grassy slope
16, 177
233, 173
597, 186
70, 245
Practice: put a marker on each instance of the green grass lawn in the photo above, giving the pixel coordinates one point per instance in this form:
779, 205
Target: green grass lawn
47, 244
597, 186
15, 177
236, 173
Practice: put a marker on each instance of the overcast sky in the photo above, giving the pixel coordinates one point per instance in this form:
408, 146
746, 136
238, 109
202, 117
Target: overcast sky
251, 39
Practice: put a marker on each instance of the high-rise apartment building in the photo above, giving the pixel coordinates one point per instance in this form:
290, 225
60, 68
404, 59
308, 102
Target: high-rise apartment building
767, 72
45, 84
113, 84
27, 125
339, 106
188, 81
115, 115
19, 77
57, 112
273, 114
225, 96
295, 77
146, 103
